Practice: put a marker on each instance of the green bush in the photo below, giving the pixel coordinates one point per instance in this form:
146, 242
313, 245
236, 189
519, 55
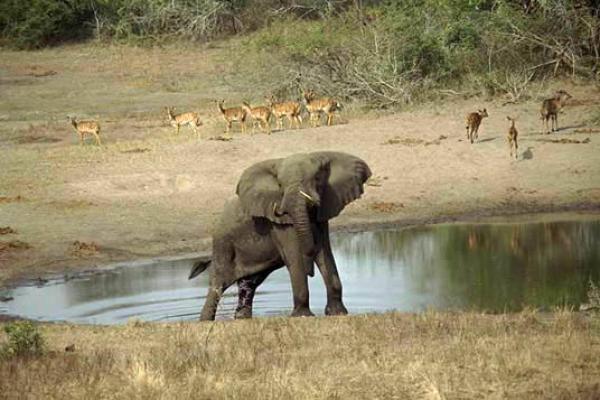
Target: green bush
392, 53
384, 53
29, 24
36, 23
24, 339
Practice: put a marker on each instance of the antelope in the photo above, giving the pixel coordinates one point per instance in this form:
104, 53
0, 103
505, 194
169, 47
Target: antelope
189, 118
473, 121
512, 137
316, 106
260, 115
233, 114
89, 126
550, 109
289, 109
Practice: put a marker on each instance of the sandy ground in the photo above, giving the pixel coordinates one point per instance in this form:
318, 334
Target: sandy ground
147, 192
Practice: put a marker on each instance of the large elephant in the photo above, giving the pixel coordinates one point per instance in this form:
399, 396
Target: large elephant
281, 217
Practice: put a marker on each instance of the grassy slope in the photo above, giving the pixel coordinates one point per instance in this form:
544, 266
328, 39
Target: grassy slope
390, 356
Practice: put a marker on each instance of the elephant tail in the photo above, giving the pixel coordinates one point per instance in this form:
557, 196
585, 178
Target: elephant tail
198, 268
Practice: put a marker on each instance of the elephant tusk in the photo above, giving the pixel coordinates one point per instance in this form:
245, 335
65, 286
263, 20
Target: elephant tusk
307, 196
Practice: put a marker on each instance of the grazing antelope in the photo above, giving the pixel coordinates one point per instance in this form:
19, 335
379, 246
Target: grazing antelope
316, 106
473, 121
233, 114
512, 137
83, 127
260, 116
189, 118
289, 109
550, 109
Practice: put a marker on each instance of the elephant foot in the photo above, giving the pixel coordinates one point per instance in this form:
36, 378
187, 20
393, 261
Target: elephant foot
207, 317
243, 313
336, 309
302, 312
208, 313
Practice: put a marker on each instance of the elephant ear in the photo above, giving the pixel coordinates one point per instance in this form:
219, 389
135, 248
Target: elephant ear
347, 175
260, 193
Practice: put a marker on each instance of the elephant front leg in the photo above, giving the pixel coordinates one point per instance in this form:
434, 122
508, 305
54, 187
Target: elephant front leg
297, 264
300, 290
333, 284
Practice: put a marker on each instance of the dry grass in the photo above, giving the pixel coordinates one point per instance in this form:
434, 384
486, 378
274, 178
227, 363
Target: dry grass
7, 230
411, 142
384, 207
391, 356
83, 249
9, 199
565, 141
13, 245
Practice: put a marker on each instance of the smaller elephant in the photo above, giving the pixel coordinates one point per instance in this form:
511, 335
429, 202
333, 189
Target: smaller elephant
280, 217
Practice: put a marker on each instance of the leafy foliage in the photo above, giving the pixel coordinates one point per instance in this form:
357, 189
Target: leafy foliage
35, 23
24, 339
385, 53
400, 52
27, 24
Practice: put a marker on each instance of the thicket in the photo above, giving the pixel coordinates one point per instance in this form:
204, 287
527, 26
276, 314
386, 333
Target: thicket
27, 24
383, 52
401, 52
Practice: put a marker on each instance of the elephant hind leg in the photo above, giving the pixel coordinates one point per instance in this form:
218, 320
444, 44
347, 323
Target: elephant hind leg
246, 290
215, 292
209, 310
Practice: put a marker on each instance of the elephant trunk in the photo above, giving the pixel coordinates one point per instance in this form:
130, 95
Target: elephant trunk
302, 225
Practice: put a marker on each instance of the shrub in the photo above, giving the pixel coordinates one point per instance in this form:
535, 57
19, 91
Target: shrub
29, 24
593, 294
24, 339
37, 23
394, 53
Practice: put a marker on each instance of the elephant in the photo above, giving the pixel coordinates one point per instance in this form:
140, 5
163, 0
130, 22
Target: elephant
280, 217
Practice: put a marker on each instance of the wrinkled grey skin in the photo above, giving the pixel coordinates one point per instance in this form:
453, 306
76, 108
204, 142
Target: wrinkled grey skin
280, 217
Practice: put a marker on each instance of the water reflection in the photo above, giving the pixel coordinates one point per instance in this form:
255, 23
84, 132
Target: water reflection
492, 267
486, 267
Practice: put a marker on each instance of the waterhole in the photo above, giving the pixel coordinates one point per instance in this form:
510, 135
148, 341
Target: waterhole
487, 267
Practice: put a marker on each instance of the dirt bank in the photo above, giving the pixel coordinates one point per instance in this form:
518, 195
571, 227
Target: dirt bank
148, 192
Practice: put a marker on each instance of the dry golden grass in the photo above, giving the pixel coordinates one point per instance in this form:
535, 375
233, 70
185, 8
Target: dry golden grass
390, 356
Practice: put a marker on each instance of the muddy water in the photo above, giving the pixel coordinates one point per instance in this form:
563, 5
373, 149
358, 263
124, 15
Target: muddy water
494, 267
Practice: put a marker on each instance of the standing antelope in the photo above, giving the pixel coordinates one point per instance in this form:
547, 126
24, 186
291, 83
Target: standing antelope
83, 127
316, 106
260, 115
550, 109
289, 109
189, 118
473, 121
233, 114
512, 137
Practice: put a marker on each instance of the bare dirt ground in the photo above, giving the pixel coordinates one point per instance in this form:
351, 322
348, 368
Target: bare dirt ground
147, 192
